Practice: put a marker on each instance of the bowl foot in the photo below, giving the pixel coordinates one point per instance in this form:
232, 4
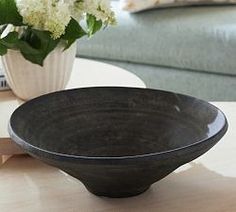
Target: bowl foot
118, 193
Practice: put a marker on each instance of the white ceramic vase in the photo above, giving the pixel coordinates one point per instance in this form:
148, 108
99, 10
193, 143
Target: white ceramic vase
28, 80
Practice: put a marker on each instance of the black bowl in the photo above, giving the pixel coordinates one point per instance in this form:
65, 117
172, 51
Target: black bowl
117, 141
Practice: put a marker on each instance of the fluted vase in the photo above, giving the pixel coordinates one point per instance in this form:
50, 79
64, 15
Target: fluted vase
28, 80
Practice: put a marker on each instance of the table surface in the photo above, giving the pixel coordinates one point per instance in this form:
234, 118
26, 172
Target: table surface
86, 73
207, 184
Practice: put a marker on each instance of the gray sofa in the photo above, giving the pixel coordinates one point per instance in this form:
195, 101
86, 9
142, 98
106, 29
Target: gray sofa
190, 50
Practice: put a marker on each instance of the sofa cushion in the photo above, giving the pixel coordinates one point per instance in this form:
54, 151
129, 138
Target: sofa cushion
195, 38
139, 5
207, 86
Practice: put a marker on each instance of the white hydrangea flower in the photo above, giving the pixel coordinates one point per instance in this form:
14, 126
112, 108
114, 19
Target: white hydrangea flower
32, 11
101, 9
50, 15
78, 10
54, 15
107, 14
57, 18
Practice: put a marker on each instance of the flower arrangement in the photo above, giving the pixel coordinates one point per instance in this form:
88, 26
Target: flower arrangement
36, 27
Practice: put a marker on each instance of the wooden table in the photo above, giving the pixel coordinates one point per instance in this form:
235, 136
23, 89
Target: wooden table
207, 184
86, 73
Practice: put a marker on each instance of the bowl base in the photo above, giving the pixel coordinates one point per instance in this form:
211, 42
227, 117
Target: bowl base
119, 194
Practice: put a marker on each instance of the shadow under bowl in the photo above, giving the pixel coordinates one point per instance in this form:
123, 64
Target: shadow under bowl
117, 141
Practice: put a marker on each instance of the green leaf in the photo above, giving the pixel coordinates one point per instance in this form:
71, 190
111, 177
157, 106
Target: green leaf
2, 28
73, 32
9, 13
69, 43
31, 38
3, 50
30, 53
93, 24
10, 41
33, 44
38, 52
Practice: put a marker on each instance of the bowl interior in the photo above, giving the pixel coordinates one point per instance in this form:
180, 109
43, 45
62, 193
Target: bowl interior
115, 121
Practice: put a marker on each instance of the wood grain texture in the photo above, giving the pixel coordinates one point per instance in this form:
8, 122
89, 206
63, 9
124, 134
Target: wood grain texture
207, 184
7, 147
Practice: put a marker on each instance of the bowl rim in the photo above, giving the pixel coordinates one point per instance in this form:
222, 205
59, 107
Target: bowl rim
23, 143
